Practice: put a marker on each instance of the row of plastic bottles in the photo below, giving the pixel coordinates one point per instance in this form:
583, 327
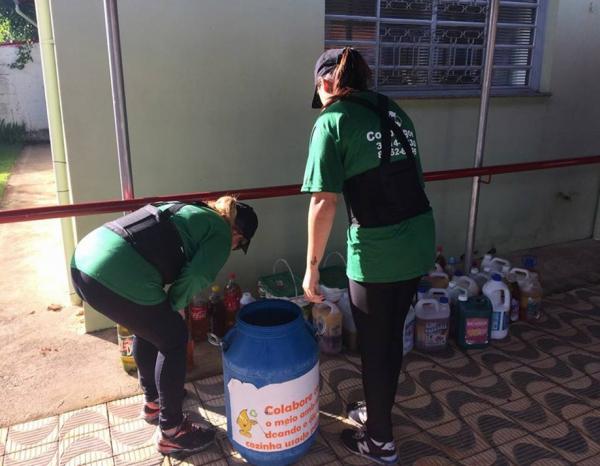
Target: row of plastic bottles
467, 304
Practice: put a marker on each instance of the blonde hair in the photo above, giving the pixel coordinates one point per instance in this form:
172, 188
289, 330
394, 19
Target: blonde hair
225, 207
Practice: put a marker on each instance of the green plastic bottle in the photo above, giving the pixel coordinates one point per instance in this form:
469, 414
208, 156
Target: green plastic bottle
474, 323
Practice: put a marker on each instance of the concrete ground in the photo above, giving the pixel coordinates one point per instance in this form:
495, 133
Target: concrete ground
48, 363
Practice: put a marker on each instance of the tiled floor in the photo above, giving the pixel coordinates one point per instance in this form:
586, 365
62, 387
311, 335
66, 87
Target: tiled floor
531, 399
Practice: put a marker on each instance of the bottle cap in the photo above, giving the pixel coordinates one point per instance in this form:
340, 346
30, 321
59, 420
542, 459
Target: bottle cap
458, 273
215, 288
452, 260
496, 277
463, 297
232, 276
439, 249
443, 300
452, 285
474, 270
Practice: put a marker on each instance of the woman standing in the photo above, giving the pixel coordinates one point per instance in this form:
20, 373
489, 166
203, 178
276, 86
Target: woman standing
121, 270
364, 146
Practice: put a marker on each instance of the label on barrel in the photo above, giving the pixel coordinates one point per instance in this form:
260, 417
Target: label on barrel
275, 417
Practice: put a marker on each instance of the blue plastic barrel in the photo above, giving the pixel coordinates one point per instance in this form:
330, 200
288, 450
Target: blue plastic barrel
271, 376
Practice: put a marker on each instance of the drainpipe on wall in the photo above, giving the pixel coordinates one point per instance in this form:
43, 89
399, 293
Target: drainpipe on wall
23, 15
596, 234
56, 129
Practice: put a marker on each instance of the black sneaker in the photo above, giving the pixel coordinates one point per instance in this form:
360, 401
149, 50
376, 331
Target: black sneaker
357, 412
189, 438
359, 443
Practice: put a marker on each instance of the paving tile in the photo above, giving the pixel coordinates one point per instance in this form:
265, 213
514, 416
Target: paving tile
592, 461
353, 358
32, 434
519, 350
568, 441
408, 388
402, 426
147, 456
527, 380
213, 411
449, 353
331, 432
582, 361
211, 387
562, 403
319, 454
495, 428
425, 411
589, 424
422, 450
131, 436
82, 421
462, 401
325, 388
466, 369
495, 361
457, 439
587, 388
527, 451
85, 448
41, 455
530, 414
434, 379
415, 360
551, 344
209, 456
340, 374
332, 404
556, 369
491, 457
124, 410
496, 390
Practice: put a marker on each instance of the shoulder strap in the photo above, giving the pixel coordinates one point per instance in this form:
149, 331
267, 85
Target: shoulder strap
387, 124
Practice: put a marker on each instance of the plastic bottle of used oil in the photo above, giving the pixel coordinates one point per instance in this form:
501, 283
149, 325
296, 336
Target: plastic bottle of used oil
125, 342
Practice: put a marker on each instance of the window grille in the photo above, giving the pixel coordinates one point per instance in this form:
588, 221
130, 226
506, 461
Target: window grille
437, 46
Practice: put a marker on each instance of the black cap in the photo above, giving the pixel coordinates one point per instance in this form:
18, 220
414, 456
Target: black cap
326, 63
246, 222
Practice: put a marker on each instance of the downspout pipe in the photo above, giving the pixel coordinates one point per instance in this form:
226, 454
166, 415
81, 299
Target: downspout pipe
115, 62
23, 15
596, 233
56, 130
482, 128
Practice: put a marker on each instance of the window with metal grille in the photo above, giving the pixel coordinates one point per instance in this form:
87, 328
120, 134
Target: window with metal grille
437, 47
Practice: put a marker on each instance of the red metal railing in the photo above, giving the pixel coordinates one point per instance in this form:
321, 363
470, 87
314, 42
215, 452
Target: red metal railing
90, 208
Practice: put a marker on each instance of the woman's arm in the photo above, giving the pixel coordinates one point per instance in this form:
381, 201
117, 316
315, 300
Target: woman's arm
321, 214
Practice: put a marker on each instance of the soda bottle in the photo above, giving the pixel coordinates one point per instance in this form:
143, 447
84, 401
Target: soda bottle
232, 296
125, 342
439, 257
199, 318
216, 311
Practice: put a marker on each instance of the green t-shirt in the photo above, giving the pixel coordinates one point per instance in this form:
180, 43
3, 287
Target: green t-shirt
113, 262
346, 141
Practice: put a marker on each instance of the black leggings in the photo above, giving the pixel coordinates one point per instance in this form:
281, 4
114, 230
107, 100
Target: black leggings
159, 346
379, 311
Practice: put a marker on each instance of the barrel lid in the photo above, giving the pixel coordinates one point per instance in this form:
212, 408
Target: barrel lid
496, 277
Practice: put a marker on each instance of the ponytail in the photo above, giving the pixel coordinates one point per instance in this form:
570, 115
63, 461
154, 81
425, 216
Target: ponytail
351, 74
225, 207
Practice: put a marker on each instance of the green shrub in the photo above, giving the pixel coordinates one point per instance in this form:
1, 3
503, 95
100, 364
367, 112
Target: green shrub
11, 132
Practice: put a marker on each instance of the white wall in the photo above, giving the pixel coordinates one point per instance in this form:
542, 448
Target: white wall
22, 91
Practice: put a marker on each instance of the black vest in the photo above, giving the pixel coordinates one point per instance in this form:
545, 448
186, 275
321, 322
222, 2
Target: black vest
392, 192
154, 236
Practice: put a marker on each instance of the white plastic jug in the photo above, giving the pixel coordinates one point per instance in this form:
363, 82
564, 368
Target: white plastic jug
497, 264
479, 277
432, 324
454, 292
246, 298
409, 330
499, 295
436, 293
486, 261
468, 284
438, 279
